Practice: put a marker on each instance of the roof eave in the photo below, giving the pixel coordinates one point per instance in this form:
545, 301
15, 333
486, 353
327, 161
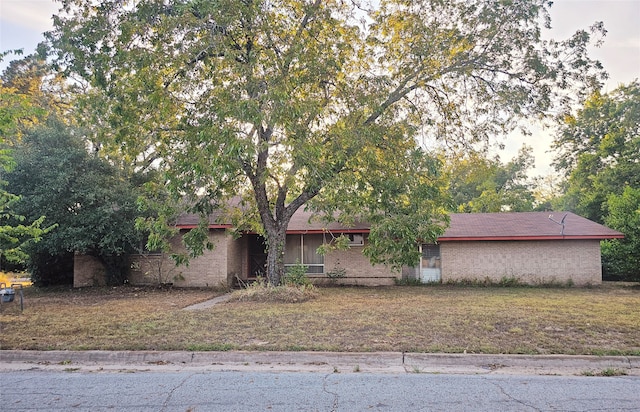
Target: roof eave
289, 232
210, 226
558, 237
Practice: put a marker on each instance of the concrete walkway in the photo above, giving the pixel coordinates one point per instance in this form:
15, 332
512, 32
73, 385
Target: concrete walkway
325, 362
209, 303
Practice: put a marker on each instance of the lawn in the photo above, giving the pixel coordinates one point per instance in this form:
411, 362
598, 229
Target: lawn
602, 321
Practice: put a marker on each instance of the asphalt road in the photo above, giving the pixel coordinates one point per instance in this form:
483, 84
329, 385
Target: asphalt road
48, 390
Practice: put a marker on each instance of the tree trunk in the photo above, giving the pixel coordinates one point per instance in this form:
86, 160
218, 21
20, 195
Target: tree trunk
276, 238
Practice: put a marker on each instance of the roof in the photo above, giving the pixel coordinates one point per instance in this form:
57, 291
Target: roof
463, 226
524, 226
301, 222
191, 221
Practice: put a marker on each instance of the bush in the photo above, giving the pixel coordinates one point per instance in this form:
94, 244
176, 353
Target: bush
296, 276
264, 292
409, 282
336, 273
50, 270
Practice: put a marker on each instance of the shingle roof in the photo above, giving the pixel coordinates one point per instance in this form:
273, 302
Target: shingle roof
463, 226
524, 226
191, 220
301, 222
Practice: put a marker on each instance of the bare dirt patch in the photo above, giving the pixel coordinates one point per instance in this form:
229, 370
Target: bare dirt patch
602, 321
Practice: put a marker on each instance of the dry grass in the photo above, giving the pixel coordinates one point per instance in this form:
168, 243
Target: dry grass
599, 321
259, 292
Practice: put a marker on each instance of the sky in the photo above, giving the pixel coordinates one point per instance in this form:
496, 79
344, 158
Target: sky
22, 23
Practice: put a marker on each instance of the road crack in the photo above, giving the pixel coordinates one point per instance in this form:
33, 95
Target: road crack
505, 393
172, 391
336, 398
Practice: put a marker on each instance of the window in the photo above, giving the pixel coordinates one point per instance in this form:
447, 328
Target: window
430, 256
356, 239
303, 249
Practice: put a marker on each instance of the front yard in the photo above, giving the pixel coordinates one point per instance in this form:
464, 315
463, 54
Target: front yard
601, 321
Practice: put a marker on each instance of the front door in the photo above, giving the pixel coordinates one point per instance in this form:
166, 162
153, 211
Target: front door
430, 263
257, 257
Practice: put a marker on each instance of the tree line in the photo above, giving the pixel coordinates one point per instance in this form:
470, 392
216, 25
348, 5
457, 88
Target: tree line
129, 115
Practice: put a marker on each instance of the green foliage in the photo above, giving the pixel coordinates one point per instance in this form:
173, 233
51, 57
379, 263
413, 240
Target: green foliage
510, 282
29, 93
284, 103
605, 372
15, 236
296, 275
479, 184
621, 257
213, 347
340, 242
598, 149
408, 282
92, 203
336, 273
404, 204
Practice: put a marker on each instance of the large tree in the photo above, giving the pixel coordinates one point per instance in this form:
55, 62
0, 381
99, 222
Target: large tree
480, 184
15, 233
29, 93
293, 103
92, 203
597, 149
19, 108
621, 257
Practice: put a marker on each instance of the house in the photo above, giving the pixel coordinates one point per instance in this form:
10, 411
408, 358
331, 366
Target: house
533, 247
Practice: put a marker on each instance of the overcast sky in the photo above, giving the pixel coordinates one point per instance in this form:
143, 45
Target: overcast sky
22, 23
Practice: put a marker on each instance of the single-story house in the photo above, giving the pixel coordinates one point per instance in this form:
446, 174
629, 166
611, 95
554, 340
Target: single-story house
532, 247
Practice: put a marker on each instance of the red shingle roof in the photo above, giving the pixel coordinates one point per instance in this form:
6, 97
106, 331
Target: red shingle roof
524, 226
463, 226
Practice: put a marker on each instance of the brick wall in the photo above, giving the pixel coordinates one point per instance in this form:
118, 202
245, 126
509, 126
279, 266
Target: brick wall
87, 271
528, 261
236, 258
209, 270
152, 269
359, 271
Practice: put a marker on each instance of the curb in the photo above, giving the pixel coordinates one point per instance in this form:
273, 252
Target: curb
325, 362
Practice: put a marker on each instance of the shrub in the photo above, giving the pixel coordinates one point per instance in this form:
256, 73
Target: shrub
264, 292
336, 273
296, 276
409, 282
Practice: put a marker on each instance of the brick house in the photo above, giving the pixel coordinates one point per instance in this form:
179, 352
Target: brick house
531, 247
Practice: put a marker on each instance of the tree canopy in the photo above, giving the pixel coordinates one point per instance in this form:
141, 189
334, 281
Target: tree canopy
29, 93
15, 235
622, 256
313, 103
480, 184
19, 109
598, 149
90, 201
